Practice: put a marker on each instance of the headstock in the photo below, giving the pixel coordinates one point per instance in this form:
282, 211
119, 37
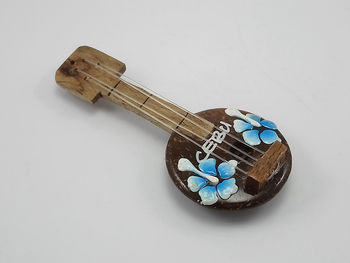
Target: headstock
82, 71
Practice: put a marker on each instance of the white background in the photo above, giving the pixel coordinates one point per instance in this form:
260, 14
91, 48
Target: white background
88, 183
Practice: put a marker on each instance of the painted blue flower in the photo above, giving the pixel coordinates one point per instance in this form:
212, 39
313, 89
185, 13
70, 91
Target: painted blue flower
254, 135
208, 184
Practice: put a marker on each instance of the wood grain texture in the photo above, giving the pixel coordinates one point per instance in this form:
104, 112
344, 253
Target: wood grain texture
159, 111
91, 74
264, 167
79, 71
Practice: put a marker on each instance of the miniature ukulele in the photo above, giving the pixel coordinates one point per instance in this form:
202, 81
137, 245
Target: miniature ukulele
220, 158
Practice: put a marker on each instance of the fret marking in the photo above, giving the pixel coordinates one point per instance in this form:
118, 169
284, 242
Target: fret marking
182, 120
110, 92
146, 100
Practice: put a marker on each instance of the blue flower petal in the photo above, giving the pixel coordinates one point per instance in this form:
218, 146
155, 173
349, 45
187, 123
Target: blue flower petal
254, 117
208, 166
269, 124
241, 126
227, 188
208, 195
269, 136
226, 170
195, 183
251, 137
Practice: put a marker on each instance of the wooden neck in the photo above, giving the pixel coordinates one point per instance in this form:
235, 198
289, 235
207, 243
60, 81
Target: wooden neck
92, 74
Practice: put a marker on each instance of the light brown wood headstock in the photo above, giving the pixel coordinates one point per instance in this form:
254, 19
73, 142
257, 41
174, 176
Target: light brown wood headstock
85, 59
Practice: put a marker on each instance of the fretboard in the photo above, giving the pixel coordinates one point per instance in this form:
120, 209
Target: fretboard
91, 74
162, 113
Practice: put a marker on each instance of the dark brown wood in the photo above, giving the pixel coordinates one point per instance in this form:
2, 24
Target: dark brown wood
178, 147
264, 168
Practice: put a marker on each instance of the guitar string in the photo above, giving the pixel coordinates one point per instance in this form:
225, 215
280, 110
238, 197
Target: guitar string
138, 88
185, 117
182, 127
168, 126
128, 81
121, 77
110, 89
158, 120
